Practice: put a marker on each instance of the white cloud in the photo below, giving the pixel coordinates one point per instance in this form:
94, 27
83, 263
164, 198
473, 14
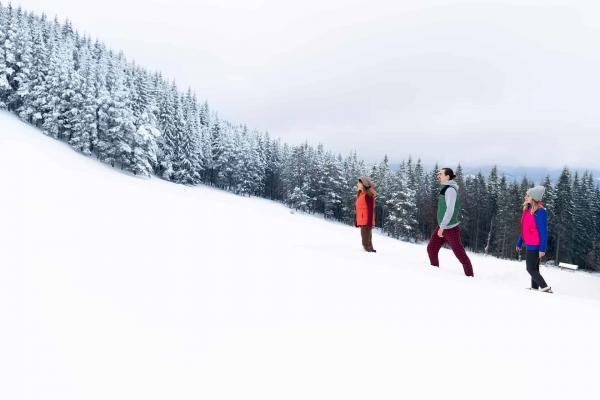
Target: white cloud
513, 82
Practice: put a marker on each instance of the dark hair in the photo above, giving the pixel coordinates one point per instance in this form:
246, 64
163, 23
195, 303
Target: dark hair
369, 190
449, 172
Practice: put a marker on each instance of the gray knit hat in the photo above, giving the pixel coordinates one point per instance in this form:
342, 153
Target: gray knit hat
367, 183
537, 192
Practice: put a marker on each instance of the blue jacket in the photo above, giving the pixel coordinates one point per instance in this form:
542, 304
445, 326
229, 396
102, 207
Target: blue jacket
541, 222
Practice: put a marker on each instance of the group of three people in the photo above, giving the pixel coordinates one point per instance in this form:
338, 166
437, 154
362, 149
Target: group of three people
534, 225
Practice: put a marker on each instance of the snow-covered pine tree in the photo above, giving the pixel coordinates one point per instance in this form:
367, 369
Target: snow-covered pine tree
56, 77
168, 128
226, 150
216, 150
563, 216
408, 202
33, 100
593, 257
421, 200
462, 192
591, 224
5, 89
273, 169
24, 62
239, 160
332, 185
401, 205
480, 195
204, 115
181, 142
259, 164
548, 202
502, 241
315, 161
411, 229
299, 198
191, 146
144, 155
296, 169
207, 156
392, 203
115, 118
491, 203
9, 62
84, 122
381, 175
254, 159
72, 101
583, 218
144, 143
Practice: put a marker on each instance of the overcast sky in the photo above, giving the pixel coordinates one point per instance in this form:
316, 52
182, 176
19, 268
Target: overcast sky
480, 82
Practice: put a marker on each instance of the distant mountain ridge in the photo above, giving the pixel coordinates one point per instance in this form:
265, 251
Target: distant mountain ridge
512, 173
531, 173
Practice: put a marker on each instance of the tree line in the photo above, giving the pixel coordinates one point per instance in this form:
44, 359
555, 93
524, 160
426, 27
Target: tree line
77, 90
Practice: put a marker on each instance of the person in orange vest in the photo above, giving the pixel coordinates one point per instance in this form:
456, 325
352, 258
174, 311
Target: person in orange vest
365, 211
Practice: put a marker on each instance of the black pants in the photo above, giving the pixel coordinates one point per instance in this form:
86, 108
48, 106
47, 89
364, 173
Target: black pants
533, 267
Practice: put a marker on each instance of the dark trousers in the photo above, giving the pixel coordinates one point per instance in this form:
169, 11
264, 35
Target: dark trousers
452, 237
532, 259
366, 233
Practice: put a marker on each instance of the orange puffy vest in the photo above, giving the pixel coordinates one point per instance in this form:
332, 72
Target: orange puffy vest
363, 211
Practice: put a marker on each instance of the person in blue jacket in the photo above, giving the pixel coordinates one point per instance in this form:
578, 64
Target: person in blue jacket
534, 235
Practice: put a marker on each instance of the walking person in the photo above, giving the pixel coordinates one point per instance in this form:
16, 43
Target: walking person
365, 211
448, 229
534, 235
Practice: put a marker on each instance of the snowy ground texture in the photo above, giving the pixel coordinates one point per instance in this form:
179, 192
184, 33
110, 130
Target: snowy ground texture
114, 287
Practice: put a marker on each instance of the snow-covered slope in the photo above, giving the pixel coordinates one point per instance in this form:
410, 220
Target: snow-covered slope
114, 287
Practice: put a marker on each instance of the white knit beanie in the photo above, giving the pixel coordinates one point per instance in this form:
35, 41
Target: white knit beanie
536, 192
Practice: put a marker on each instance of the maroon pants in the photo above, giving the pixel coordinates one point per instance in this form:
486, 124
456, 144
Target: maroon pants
452, 237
